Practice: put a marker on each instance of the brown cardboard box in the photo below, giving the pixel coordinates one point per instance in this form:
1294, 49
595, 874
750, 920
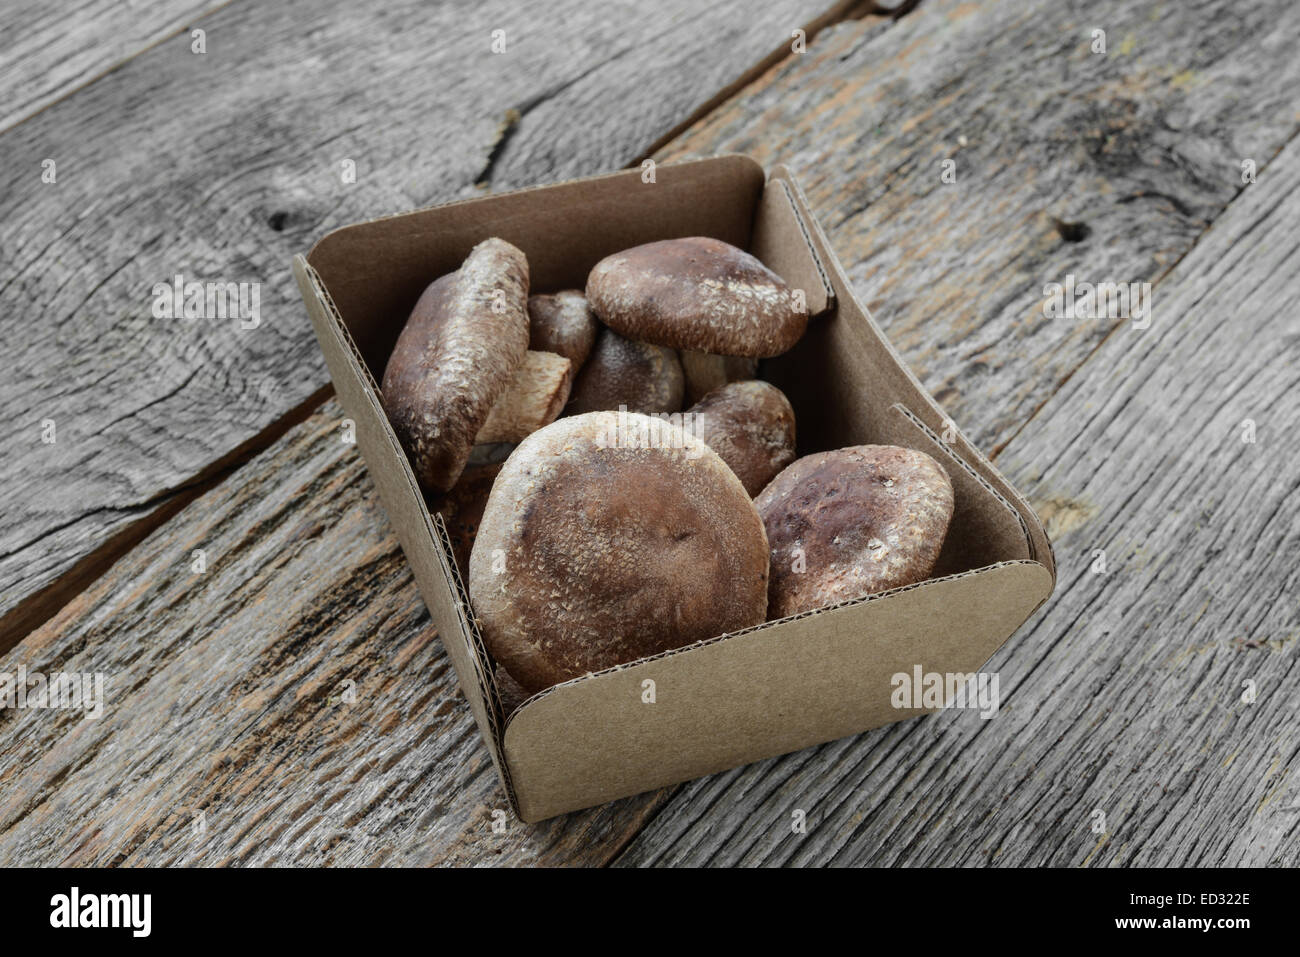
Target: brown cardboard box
736, 698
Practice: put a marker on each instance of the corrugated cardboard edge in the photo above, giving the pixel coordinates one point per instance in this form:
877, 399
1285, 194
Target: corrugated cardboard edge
546, 744
464, 643
922, 407
946, 453
806, 271
742, 158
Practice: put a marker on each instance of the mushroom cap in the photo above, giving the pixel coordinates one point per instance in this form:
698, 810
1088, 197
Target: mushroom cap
621, 372
609, 537
751, 425
852, 522
699, 294
456, 355
563, 323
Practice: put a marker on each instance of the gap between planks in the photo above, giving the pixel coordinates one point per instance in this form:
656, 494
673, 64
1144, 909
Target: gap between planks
35, 610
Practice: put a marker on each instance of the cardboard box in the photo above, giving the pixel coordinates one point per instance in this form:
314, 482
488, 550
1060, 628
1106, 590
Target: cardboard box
736, 698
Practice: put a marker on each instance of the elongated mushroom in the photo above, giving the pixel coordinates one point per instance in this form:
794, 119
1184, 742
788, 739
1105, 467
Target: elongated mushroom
454, 359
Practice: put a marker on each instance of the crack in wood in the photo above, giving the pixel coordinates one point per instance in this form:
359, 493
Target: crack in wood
33, 611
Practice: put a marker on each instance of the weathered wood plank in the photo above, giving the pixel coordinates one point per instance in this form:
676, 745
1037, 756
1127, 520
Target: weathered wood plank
226, 734
220, 166
47, 52
1126, 695
749, 784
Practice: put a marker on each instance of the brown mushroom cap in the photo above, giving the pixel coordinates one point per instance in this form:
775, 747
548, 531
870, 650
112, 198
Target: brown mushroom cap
465, 338
562, 323
699, 294
751, 425
598, 548
852, 522
621, 372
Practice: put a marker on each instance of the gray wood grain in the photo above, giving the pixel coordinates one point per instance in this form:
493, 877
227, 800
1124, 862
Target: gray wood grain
875, 798
221, 166
227, 736
1126, 693
48, 51
1132, 154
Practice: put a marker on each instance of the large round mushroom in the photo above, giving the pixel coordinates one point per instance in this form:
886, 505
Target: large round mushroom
609, 537
853, 522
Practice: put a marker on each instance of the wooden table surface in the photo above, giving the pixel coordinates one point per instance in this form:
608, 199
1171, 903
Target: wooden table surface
1158, 687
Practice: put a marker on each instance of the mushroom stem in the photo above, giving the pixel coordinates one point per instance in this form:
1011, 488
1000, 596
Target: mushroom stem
534, 397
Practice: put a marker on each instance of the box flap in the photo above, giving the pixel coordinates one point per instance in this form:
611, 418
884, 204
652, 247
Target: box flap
769, 690
783, 243
854, 360
423, 537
